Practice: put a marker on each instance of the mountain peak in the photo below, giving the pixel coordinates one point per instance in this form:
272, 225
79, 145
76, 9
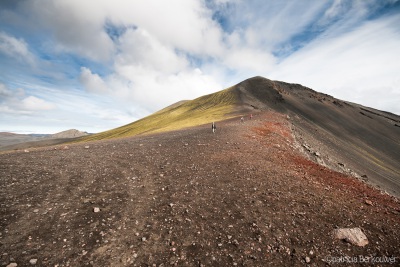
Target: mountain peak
71, 133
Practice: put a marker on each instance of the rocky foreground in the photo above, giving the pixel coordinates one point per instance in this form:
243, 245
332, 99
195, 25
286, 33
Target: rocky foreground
244, 196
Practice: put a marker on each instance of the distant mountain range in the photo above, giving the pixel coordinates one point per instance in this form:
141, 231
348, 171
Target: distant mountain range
8, 139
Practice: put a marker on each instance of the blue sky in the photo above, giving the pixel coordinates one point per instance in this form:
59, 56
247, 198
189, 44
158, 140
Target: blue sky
94, 65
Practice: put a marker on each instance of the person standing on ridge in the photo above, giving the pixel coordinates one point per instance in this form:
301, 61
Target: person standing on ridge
213, 127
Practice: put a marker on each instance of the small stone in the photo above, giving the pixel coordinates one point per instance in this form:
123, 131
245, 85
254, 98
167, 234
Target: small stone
36, 210
352, 235
13, 264
96, 209
33, 261
144, 238
87, 147
307, 259
26, 151
311, 252
368, 202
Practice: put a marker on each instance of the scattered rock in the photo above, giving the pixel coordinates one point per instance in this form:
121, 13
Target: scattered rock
87, 147
354, 236
307, 259
96, 209
368, 202
144, 238
13, 264
26, 151
307, 147
33, 261
36, 210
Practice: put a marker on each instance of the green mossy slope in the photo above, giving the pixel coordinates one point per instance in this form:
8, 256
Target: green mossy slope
202, 110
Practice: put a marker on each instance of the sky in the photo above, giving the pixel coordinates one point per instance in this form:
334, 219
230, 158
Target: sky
95, 65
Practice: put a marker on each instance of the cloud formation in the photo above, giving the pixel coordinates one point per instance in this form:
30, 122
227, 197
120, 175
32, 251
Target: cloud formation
144, 55
15, 48
15, 102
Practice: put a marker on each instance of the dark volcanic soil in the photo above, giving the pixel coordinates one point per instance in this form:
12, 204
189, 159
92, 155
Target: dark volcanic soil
244, 196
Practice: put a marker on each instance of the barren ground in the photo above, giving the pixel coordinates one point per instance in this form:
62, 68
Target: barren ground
243, 196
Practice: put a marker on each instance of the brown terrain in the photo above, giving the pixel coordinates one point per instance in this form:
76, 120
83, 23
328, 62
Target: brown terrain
266, 192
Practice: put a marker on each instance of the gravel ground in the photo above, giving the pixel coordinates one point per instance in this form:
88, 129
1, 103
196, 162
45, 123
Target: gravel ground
244, 196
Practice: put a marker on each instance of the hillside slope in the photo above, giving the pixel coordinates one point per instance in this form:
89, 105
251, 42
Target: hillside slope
347, 137
205, 109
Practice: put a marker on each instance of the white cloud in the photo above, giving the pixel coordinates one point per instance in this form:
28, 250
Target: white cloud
139, 48
153, 91
4, 91
77, 26
250, 60
182, 24
15, 48
32, 103
16, 102
92, 82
